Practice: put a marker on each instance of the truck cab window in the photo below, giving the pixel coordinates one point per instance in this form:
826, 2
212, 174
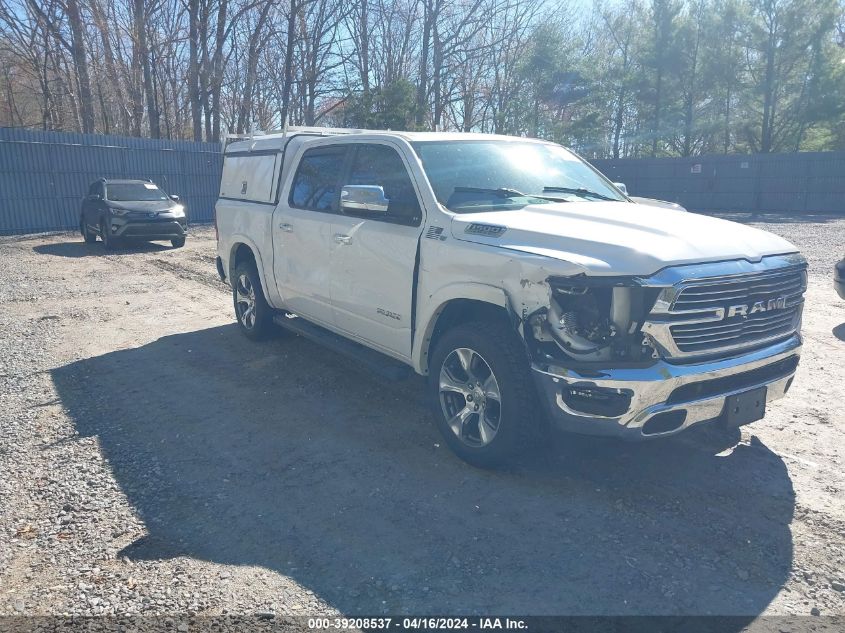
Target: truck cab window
315, 185
382, 166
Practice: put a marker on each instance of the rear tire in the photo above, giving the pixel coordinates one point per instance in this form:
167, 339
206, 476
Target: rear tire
481, 388
87, 235
177, 242
254, 315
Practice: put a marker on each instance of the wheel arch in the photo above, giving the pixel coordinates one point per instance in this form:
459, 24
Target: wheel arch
243, 250
454, 306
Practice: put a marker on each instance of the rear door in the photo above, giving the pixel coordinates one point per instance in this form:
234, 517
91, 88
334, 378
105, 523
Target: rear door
302, 233
374, 254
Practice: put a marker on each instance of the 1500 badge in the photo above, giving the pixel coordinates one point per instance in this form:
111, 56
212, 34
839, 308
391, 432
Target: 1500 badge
389, 314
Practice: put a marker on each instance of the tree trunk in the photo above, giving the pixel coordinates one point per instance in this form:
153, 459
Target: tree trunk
43, 78
422, 86
364, 46
193, 69
256, 41
658, 97
768, 94
80, 61
437, 76
618, 120
144, 54
111, 69
288, 72
137, 87
217, 69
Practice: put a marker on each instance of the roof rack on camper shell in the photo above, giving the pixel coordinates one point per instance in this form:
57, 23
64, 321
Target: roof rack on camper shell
292, 130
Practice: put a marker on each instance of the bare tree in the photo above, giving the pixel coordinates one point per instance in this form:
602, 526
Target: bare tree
636, 77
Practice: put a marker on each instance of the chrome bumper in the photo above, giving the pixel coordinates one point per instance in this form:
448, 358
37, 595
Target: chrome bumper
657, 390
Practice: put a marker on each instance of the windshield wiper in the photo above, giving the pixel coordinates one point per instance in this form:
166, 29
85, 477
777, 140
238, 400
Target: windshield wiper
502, 192
579, 191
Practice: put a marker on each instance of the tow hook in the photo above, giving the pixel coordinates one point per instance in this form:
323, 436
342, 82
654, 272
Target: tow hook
649, 342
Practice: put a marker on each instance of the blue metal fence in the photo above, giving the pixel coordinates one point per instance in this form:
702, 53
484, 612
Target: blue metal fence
799, 183
43, 175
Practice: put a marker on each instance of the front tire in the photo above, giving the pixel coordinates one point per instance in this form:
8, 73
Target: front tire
109, 242
87, 235
177, 242
484, 398
254, 315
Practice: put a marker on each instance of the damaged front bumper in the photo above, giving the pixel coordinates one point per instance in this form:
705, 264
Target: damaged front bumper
663, 398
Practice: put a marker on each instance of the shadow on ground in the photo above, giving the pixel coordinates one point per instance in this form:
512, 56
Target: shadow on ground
839, 331
284, 456
82, 249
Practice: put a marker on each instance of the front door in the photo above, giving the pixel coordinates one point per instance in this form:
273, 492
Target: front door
92, 206
374, 253
302, 234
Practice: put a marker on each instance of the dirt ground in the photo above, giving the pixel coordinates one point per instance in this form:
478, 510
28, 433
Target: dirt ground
152, 460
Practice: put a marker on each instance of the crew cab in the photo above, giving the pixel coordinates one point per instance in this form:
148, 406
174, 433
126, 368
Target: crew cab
512, 274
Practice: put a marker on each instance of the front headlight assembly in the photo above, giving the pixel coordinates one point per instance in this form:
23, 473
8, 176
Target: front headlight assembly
596, 319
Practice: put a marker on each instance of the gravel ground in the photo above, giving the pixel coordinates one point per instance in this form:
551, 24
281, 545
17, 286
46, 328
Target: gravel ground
153, 461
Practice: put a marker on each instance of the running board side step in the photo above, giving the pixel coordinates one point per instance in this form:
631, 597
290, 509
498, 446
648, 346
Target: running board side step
376, 362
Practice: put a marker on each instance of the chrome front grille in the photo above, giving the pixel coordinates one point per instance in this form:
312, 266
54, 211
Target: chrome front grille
720, 315
779, 295
788, 283
697, 338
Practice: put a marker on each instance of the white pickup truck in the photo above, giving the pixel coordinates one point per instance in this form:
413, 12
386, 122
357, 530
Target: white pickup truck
515, 276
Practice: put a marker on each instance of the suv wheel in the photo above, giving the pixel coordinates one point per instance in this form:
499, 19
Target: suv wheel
87, 235
480, 383
254, 315
109, 242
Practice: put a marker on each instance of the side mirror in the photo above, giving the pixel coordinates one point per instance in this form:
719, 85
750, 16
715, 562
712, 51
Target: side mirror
363, 198
174, 197
621, 186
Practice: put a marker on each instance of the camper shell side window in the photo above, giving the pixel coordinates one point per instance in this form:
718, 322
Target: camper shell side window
251, 176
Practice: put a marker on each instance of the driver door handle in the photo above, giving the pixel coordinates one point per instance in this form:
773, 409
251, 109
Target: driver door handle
342, 239
287, 228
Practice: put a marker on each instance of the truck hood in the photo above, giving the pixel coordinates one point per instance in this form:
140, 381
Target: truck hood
619, 238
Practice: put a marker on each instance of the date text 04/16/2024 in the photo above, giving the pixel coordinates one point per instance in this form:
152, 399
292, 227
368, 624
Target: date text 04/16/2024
418, 623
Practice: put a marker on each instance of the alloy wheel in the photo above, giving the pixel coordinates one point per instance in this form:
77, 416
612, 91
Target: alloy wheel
470, 397
245, 301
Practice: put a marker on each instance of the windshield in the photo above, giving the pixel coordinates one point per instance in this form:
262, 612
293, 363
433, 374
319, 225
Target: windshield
134, 192
474, 176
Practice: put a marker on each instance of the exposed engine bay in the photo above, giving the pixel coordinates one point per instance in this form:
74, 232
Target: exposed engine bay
590, 320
